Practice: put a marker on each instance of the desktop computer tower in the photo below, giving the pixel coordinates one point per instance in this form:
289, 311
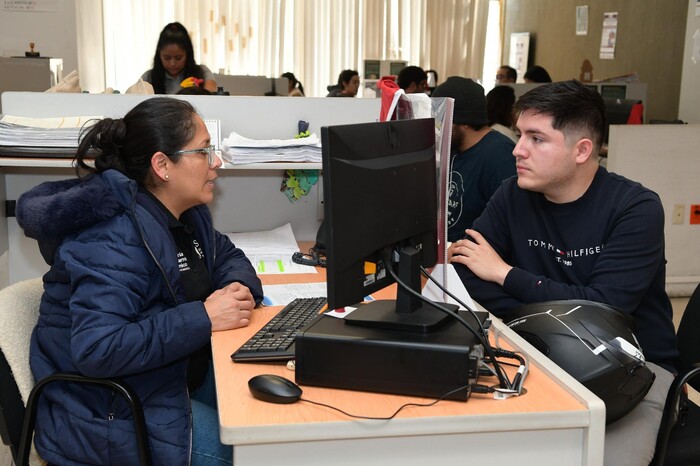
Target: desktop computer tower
331, 353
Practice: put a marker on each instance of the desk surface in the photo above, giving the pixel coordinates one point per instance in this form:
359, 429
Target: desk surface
557, 415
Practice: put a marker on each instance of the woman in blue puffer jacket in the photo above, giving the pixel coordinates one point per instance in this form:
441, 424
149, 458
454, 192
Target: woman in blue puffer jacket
138, 280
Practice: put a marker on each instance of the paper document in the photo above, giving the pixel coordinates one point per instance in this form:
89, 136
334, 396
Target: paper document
244, 150
271, 251
281, 240
278, 264
454, 286
43, 132
281, 295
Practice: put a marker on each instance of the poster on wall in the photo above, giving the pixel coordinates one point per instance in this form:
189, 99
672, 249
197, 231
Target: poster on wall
29, 5
519, 53
582, 20
609, 37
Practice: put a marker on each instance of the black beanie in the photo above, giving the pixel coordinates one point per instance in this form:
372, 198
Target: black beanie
470, 101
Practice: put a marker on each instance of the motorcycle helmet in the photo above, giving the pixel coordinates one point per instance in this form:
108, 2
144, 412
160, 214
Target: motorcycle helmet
594, 343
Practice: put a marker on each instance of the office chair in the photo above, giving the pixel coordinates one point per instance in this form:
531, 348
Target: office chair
19, 312
677, 441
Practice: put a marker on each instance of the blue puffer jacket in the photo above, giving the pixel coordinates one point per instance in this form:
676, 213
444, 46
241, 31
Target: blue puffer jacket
113, 306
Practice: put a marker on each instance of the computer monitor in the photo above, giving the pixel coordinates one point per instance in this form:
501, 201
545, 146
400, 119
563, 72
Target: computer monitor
380, 195
617, 112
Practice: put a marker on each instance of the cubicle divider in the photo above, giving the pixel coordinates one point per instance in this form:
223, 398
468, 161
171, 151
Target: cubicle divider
248, 197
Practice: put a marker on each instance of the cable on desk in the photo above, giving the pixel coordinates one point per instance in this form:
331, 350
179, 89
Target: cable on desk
476, 388
523, 368
500, 373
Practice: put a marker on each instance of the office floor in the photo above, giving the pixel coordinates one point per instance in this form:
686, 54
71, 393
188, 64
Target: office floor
678, 308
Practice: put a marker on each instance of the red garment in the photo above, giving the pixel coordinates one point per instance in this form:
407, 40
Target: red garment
388, 87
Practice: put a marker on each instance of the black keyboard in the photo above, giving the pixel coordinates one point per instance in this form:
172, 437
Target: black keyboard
275, 341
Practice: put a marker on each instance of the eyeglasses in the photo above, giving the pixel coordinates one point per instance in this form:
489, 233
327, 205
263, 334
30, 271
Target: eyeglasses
212, 154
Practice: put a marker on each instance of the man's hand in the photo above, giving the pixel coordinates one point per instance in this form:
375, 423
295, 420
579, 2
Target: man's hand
230, 307
480, 257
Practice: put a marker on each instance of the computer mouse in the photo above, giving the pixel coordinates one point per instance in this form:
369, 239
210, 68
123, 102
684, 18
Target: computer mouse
274, 389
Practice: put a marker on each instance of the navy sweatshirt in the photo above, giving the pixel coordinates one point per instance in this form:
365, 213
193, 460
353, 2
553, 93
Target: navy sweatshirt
607, 246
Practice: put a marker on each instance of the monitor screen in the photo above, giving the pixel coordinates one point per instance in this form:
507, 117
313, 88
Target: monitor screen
613, 91
617, 112
380, 195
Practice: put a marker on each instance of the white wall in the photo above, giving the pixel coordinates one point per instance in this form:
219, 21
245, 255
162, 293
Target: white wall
53, 33
689, 105
666, 159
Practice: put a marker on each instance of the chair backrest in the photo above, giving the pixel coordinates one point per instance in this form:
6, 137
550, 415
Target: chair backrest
19, 311
688, 334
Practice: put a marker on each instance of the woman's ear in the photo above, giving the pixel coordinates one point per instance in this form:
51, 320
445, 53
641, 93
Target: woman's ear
160, 164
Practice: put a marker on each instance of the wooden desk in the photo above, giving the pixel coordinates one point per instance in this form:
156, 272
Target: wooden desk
557, 422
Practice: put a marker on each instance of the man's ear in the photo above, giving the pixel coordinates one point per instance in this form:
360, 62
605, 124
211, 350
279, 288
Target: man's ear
160, 164
583, 150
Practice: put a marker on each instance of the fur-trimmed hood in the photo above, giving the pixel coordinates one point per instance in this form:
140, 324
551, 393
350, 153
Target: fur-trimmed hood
54, 210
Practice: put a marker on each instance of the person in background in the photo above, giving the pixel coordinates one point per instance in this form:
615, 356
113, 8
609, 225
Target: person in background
566, 228
499, 108
506, 74
413, 80
193, 90
138, 281
537, 74
432, 80
347, 86
295, 87
174, 62
481, 158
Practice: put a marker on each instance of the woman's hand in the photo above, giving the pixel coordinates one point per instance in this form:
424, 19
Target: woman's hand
230, 307
477, 254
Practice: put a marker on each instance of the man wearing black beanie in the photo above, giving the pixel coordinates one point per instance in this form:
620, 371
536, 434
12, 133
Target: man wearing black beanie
481, 158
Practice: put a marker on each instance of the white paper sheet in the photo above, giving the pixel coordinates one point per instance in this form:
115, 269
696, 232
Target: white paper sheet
271, 251
454, 285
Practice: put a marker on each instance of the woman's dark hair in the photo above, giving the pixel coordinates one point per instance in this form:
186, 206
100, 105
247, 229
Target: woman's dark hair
294, 81
537, 74
499, 105
576, 110
127, 144
345, 76
173, 33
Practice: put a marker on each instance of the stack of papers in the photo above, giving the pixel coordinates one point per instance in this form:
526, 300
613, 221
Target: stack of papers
240, 149
43, 132
271, 251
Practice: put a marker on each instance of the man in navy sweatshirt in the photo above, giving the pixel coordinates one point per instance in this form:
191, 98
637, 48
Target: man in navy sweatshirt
566, 228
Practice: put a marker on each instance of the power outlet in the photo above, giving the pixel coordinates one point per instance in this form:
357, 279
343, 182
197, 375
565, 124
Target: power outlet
678, 214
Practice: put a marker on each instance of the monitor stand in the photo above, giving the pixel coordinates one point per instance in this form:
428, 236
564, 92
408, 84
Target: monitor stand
408, 312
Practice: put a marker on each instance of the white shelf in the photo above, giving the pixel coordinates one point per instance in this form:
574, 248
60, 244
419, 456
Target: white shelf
30, 162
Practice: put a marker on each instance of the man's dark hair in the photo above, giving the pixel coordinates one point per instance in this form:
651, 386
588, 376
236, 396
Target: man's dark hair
511, 73
411, 74
574, 107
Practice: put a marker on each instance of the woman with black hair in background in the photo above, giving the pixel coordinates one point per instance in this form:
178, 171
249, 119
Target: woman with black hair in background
174, 62
296, 89
347, 86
